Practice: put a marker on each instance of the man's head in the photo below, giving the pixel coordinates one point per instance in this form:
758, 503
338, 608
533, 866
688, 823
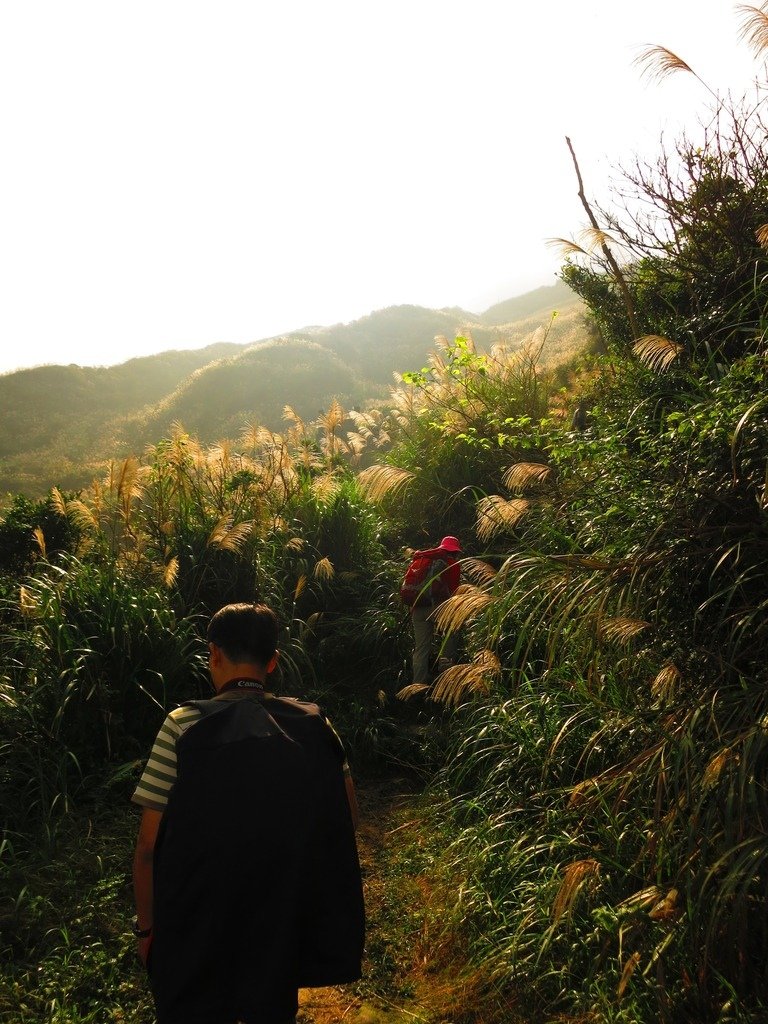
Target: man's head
246, 634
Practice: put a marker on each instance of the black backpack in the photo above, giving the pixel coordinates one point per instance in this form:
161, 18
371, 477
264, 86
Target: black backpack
257, 880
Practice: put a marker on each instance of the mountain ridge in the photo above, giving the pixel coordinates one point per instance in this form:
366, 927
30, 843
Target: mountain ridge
61, 424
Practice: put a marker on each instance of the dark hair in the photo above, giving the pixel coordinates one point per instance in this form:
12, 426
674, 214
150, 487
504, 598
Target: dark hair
245, 632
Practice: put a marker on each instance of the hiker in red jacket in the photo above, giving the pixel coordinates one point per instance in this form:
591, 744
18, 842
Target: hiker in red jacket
432, 578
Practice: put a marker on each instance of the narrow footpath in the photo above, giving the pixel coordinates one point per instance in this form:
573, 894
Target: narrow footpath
406, 969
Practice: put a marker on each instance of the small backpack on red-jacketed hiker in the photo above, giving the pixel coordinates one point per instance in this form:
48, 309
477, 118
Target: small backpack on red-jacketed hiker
422, 584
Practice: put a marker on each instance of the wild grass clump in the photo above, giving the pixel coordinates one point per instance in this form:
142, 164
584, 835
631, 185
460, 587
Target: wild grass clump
91, 660
452, 427
568, 875
604, 790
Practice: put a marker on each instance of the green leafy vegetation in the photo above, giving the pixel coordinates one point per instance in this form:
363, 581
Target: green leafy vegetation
68, 956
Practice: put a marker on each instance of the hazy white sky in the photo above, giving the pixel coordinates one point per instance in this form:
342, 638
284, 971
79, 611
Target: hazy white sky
179, 172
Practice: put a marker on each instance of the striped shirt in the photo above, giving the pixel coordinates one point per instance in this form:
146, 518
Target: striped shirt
160, 772
159, 775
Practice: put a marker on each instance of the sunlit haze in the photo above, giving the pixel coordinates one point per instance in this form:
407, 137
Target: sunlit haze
176, 174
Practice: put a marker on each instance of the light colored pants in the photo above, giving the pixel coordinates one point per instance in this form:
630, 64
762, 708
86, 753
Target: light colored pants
423, 631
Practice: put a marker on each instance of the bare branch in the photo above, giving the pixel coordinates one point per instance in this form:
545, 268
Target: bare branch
610, 258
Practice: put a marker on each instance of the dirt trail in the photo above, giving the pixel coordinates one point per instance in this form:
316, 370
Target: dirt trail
391, 991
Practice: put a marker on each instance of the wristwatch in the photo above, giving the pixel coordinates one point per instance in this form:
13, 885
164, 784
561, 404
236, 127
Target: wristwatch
140, 933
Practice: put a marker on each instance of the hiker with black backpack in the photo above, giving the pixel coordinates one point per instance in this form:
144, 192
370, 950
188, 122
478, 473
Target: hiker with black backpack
246, 874
431, 578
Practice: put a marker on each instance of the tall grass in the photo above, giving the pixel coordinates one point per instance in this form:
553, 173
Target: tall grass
452, 427
605, 789
98, 644
607, 800
90, 661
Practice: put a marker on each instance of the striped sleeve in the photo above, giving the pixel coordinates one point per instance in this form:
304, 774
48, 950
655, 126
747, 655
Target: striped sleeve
159, 775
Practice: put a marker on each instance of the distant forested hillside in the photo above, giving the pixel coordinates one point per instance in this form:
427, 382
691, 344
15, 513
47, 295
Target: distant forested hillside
396, 338
62, 424
220, 399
